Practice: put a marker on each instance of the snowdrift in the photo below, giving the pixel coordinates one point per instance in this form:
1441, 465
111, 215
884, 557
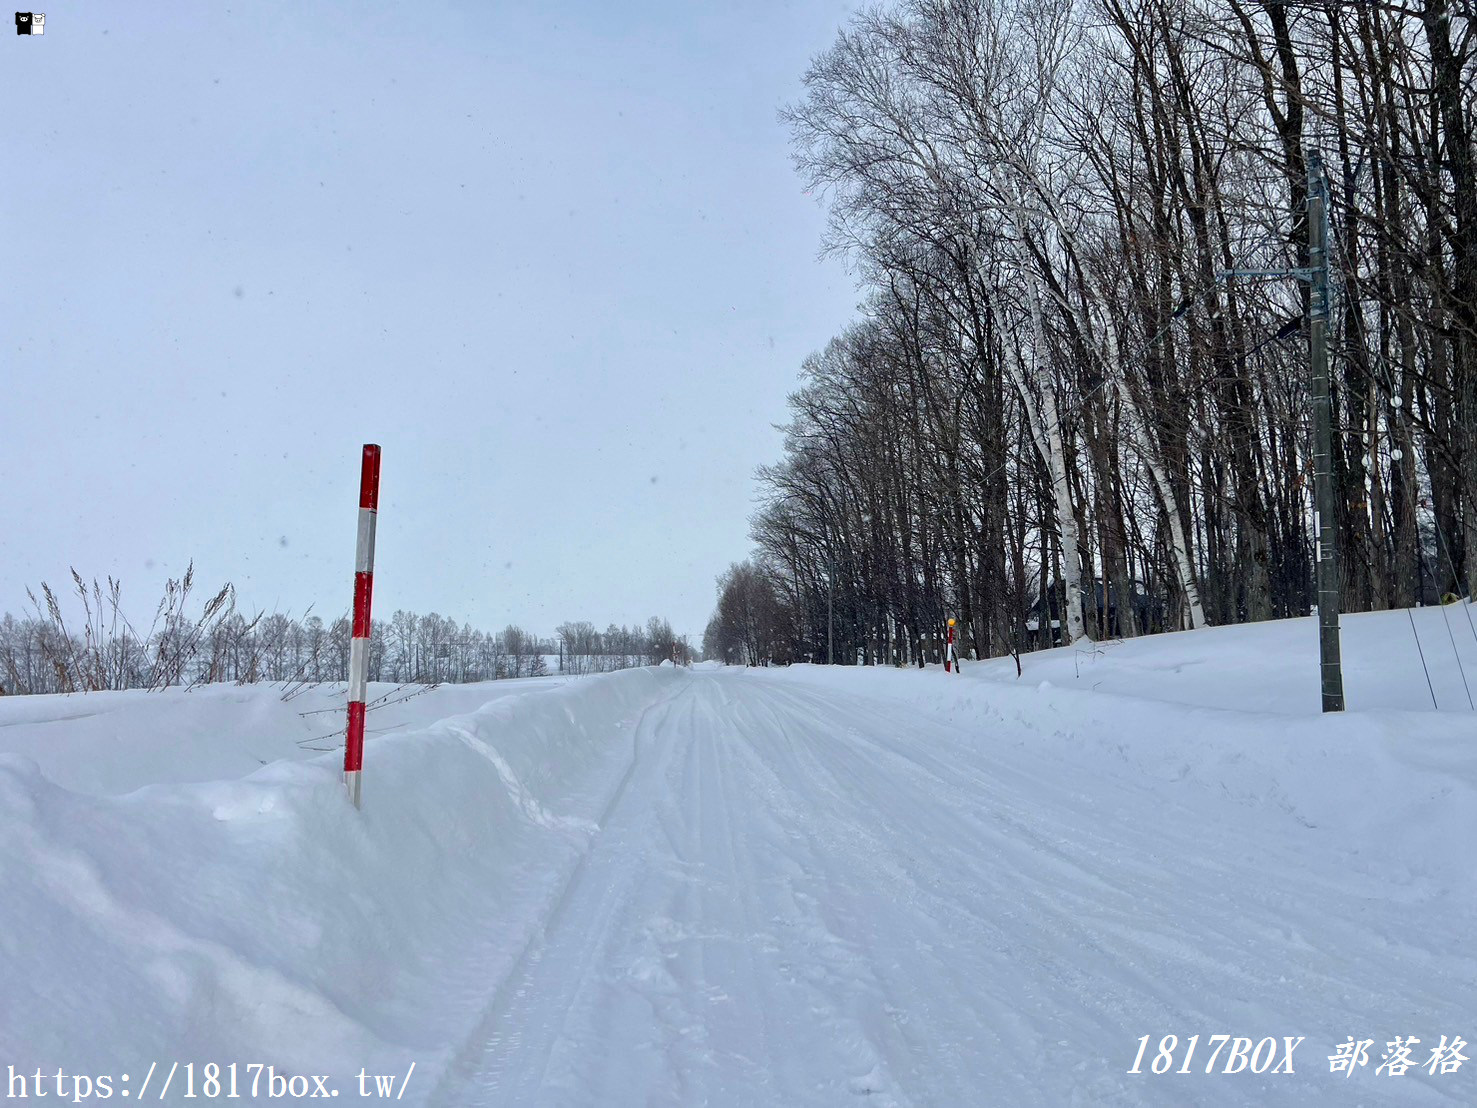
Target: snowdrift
1233, 714
263, 918
1398, 786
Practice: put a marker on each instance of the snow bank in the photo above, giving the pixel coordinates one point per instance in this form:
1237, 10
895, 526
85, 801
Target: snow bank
1202, 718
1272, 666
1409, 778
263, 918
1236, 709
108, 743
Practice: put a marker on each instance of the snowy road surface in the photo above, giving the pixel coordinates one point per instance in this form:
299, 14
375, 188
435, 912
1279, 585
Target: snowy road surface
802, 896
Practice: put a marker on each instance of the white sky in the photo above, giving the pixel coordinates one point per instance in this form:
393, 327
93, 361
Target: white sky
553, 257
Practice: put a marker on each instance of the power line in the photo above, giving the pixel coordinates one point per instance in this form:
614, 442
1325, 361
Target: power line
1422, 654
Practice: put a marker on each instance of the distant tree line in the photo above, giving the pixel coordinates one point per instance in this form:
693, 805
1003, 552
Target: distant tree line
45, 652
1057, 417
583, 649
754, 624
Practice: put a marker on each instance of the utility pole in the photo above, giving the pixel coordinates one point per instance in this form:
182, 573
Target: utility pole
1325, 511
831, 611
1325, 507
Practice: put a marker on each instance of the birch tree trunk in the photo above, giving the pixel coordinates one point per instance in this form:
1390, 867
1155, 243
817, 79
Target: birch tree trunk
1113, 365
1047, 435
1149, 451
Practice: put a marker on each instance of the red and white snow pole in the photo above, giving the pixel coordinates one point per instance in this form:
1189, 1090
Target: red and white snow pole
951, 660
369, 494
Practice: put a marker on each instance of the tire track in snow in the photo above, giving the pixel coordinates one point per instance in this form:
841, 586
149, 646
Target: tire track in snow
800, 895
1177, 932
678, 968
1033, 903
485, 1036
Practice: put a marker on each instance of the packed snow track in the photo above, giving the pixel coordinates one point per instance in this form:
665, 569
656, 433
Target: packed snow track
798, 895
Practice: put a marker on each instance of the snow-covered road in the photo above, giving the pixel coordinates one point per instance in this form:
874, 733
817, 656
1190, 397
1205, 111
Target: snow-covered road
799, 894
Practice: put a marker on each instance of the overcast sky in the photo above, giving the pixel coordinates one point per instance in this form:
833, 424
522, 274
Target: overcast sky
553, 257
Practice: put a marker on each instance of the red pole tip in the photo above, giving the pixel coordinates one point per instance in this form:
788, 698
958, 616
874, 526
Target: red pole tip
369, 478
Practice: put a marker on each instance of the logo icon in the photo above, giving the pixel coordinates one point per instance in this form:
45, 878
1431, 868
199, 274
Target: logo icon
27, 23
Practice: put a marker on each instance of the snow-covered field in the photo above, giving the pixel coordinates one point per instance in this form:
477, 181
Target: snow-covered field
780, 887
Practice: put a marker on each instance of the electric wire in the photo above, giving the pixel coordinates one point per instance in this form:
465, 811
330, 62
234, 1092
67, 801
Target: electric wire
1422, 653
